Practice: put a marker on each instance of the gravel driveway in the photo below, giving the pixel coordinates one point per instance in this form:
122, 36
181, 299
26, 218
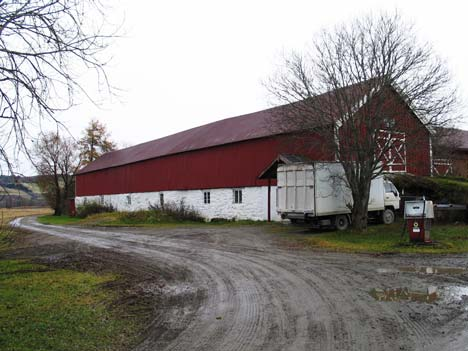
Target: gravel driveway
260, 294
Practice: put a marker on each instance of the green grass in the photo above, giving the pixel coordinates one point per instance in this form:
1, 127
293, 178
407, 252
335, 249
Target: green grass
388, 239
43, 309
122, 219
58, 220
6, 238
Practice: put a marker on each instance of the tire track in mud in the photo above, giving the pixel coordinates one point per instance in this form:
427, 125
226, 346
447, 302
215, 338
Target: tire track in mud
261, 297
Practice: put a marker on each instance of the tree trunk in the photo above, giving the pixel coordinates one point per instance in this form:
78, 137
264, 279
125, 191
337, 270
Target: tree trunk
65, 197
58, 202
359, 212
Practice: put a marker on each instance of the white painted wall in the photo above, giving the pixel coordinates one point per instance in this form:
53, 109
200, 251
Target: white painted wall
253, 206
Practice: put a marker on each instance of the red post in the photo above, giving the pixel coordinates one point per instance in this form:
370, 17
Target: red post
71, 207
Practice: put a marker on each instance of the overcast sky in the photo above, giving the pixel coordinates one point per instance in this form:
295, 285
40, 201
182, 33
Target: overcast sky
182, 64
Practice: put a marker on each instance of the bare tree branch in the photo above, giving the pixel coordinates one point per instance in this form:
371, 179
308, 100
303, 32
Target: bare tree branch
44, 46
346, 89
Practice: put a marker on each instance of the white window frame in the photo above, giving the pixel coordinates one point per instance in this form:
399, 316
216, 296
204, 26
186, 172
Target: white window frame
444, 162
207, 197
237, 197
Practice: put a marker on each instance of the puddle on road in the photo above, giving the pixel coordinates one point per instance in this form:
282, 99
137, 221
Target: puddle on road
448, 294
404, 294
423, 270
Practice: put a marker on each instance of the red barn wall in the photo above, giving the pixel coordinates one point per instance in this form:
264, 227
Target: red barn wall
225, 166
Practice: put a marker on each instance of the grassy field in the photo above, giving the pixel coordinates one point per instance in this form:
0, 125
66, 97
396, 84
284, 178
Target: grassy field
43, 309
8, 214
448, 238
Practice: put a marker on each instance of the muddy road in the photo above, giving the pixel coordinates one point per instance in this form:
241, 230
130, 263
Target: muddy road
255, 293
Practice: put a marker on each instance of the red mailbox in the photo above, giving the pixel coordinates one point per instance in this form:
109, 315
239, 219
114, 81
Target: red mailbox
419, 215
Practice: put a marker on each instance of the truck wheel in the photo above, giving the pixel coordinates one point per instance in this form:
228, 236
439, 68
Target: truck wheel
341, 222
388, 216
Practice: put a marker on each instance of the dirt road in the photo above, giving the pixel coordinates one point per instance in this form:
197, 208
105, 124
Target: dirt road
245, 290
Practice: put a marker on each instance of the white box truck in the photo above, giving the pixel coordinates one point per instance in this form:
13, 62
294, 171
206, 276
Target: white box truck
316, 192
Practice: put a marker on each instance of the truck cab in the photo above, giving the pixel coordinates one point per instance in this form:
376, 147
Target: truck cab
392, 196
391, 202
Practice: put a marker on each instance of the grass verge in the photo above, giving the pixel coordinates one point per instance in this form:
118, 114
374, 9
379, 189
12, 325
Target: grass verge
43, 309
388, 239
58, 220
136, 219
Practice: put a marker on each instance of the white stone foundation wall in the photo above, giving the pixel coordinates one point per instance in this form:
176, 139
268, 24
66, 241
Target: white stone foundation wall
254, 202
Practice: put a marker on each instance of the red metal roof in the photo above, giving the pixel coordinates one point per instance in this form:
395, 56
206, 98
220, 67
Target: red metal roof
230, 130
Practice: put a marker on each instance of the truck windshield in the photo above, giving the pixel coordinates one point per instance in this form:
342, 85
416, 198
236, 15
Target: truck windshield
390, 188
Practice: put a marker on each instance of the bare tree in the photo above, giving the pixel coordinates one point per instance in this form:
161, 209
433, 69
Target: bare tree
44, 46
57, 160
95, 142
347, 89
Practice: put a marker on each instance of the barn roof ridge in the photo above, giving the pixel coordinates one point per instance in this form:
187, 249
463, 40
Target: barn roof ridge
254, 124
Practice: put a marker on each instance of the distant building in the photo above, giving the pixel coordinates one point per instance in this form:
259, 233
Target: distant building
223, 169
451, 153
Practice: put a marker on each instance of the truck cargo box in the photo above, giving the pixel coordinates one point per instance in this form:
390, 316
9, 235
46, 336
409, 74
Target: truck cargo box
319, 189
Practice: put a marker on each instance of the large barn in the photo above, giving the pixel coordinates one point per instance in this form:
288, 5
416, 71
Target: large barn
220, 168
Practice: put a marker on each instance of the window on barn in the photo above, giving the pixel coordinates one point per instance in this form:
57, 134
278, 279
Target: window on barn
129, 199
161, 199
206, 197
237, 196
101, 199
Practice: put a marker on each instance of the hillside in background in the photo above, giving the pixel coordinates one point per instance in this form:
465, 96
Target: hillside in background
20, 191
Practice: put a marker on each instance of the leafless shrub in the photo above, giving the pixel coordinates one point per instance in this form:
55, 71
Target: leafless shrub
91, 207
178, 211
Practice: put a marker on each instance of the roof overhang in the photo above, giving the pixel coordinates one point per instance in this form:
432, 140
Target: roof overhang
270, 171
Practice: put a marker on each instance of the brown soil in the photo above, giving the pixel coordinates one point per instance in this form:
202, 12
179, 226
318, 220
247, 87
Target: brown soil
239, 288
